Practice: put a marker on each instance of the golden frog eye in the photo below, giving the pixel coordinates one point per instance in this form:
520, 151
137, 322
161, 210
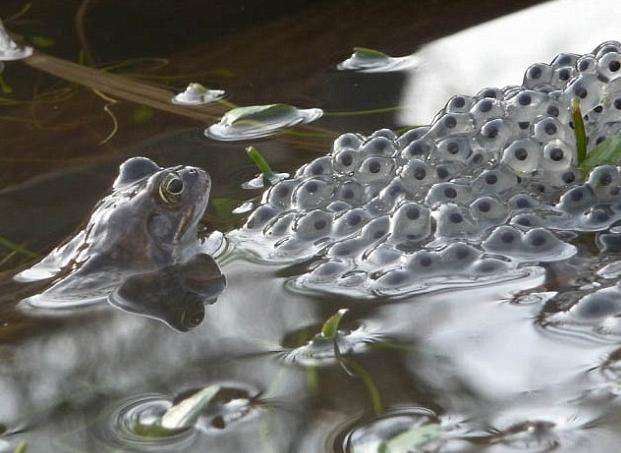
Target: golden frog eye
171, 188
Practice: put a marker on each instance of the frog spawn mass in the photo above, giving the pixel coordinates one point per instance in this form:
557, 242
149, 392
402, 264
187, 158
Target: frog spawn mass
483, 194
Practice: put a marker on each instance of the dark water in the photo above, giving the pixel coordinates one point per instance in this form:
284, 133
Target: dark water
473, 363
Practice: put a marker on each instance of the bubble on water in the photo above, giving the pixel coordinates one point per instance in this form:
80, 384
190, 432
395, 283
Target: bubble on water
369, 60
197, 94
247, 123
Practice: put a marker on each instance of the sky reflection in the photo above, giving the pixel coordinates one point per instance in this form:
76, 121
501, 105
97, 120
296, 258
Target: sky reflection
497, 53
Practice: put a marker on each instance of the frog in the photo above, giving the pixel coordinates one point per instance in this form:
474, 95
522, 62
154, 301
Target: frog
143, 233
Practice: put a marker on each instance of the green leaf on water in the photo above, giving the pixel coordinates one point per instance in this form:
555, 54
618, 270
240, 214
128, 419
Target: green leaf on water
142, 114
331, 326
369, 54
185, 413
256, 157
412, 439
257, 113
42, 41
579, 131
607, 152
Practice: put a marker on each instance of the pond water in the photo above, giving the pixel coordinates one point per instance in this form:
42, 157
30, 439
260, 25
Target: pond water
493, 368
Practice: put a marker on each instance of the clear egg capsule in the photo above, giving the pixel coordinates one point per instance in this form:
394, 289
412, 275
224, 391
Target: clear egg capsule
416, 174
350, 221
410, 222
311, 194
351, 192
537, 245
577, 199
346, 141
378, 146
522, 156
453, 221
488, 210
418, 149
607, 47
456, 148
459, 104
346, 160
609, 65
280, 194
538, 75
375, 169
452, 124
557, 156
604, 181
313, 225
261, 216
413, 134
491, 93
496, 134
320, 166
486, 109
564, 59
448, 192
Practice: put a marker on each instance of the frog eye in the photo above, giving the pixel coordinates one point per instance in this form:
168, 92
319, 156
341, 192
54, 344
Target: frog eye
171, 188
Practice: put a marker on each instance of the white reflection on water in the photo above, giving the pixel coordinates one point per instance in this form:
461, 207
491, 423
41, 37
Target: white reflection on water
497, 53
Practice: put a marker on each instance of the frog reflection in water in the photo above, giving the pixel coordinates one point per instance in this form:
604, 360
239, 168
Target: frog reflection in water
140, 249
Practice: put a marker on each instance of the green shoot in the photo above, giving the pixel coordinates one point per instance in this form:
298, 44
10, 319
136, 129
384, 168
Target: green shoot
607, 152
579, 131
367, 380
331, 326
256, 157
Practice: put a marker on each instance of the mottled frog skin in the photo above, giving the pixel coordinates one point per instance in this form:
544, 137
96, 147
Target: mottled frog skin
146, 226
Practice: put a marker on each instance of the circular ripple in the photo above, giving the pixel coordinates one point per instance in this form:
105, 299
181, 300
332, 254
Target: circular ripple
134, 424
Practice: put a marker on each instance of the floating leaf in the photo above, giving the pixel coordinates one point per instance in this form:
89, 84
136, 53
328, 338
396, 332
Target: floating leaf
370, 60
197, 94
42, 41
185, 413
579, 131
257, 113
331, 326
412, 439
369, 54
258, 159
245, 123
607, 152
142, 114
